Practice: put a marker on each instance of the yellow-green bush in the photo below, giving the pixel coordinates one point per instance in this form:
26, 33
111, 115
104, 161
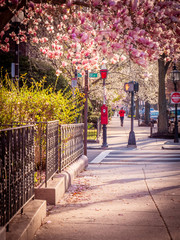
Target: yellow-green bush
36, 103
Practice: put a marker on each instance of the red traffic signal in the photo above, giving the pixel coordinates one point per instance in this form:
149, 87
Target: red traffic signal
129, 87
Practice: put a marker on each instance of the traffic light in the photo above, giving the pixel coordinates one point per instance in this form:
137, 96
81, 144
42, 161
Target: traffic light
136, 86
129, 87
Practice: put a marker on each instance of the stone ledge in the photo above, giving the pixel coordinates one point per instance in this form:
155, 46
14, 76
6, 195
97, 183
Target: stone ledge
57, 186
2, 233
23, 226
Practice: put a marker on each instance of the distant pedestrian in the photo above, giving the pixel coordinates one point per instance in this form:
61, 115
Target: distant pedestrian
121, 114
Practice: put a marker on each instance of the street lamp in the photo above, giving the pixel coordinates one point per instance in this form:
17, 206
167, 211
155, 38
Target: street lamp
175, 76
104, 109
16, 20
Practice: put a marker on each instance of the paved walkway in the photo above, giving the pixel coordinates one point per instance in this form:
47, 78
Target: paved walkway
125, 194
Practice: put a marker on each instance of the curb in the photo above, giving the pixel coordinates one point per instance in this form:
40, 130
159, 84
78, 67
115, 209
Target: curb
23, 226
170, 148
57, 186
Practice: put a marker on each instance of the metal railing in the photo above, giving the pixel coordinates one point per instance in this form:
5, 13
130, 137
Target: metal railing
52, 137
16, 170
20, 146
72, 147
46, 149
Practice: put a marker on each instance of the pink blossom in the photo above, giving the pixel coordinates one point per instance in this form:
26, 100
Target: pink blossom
64, 64
73, 35
84, 38
53, 45
7, 27
35, 40
78, 55
2, 34
23, 39
6, 40
82, 20
122, 57
79, 67
84, 61
74, 61
96, 2
64, 37
58, 72
30, 31
60, 53
135, 53
113, 61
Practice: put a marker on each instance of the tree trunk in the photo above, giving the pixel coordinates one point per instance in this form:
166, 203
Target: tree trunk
147, 113
162, 120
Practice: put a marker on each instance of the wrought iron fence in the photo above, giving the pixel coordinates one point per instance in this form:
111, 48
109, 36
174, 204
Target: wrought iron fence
16, 170
20, 146
72, 147
51, 149
46, 149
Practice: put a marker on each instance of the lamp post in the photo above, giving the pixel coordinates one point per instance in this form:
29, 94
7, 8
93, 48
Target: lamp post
175, 76
132, 87
16, 20
85, 111
104, 110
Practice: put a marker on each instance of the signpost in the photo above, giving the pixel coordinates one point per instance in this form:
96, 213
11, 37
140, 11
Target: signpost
175, 97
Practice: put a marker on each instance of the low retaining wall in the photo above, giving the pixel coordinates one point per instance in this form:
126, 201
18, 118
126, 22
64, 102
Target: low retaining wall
57, 186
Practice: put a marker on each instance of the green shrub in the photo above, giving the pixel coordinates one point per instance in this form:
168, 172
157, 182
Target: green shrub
35, 103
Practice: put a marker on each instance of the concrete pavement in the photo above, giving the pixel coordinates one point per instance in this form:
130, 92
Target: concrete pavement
121, 198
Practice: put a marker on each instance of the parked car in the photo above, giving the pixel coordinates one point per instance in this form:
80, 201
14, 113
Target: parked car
154, 116
142, 112
172, 115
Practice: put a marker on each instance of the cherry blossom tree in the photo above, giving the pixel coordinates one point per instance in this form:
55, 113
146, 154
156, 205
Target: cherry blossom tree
86, 32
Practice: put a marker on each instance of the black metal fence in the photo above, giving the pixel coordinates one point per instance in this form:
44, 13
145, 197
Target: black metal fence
32, 152
46, 149
52, 137
16, 170
72, 145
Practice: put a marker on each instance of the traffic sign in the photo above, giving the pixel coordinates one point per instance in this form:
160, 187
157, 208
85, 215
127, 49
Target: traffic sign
175, 97
93, 75
79, 75
74, 82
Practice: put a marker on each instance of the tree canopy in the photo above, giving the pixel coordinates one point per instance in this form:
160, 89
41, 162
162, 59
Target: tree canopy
83, 33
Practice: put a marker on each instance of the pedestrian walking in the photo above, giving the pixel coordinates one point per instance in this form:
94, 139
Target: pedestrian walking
121, 114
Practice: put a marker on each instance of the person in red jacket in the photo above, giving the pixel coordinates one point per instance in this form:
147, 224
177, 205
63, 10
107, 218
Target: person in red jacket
121, 114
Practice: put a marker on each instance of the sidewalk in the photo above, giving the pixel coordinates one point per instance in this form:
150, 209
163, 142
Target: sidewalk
119, 202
